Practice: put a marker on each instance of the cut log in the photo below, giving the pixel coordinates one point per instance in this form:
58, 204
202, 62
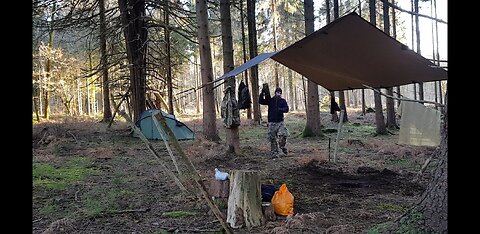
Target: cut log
245, 200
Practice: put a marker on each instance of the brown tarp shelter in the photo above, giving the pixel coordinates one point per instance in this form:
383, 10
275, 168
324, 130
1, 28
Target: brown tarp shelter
350, 52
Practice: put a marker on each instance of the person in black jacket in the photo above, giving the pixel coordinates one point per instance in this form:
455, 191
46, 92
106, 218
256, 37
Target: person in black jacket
277, 106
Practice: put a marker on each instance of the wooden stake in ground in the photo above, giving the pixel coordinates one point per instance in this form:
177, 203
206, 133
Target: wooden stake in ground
152, 150
191, 172
245, 200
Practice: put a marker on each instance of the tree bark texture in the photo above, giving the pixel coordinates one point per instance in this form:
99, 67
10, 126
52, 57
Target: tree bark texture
107, 111
434, 200
274, 34
244, 53
341, 100
245, 200
46, 89
379, 119
430, 213
252, 44
135, 32
232, 134
209, 115
291, 97
312, 127
390, 104
391, 123
169, 59
420, 84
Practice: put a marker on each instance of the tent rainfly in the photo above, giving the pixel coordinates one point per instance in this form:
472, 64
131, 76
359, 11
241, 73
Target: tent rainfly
148, 128
349, 53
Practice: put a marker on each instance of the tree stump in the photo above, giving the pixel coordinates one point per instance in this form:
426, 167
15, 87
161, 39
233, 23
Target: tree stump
245, 200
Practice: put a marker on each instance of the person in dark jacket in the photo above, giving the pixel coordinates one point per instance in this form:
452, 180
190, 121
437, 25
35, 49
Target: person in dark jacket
277, 106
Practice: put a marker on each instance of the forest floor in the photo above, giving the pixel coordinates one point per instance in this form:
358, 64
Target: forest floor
90, 179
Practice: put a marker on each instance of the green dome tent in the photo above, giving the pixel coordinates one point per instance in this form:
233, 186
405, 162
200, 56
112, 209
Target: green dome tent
147, 126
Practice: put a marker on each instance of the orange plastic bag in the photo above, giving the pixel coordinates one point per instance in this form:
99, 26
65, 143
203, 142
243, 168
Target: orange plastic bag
282, 201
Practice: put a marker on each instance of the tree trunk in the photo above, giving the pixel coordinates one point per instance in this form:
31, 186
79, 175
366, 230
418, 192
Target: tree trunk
420, 84
355, 98
440, 89
135, 32
252, 44
414, 91
107, 111
363, 102
412, 25
394, 31
341, 94
391, 123
79, 97
347, 98
232, 134
87, 97
438, 55
245, 200
390, 104
244, 52
332, 93
197, 84
434, 202
399, 96
304, 94
209, 117
48, 68
327, 6
312, 127
291, 97
40, 96
35, 95
341, 101
168, 58
379, 119
430, 213
274, 33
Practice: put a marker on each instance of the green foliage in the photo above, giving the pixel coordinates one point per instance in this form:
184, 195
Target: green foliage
49, 209
355, 131
412, 223
253, 133
59, 178
97, 202
177, 214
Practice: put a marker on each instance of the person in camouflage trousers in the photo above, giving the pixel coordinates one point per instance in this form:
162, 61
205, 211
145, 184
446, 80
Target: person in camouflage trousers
277, 106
